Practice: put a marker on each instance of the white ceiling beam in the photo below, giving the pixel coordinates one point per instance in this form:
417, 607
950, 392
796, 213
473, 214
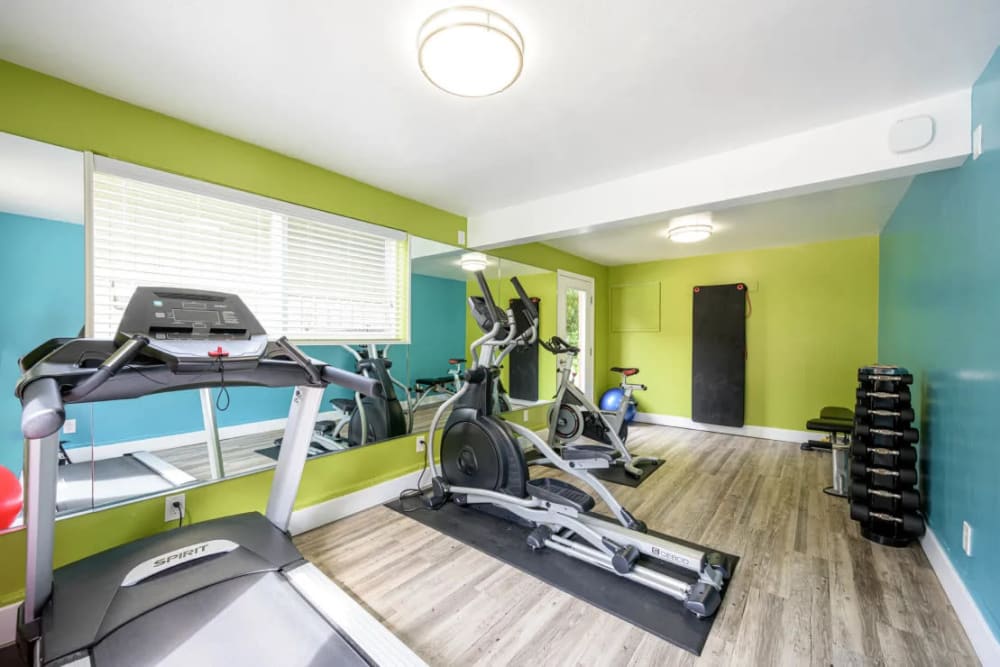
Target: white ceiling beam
851, 152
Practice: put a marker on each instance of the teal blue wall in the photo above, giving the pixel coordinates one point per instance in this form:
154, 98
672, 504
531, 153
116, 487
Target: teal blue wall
50, 303
437, 325
40, 304
939, 315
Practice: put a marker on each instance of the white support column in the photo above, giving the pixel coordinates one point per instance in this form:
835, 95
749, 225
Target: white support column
292, 458
41, 460
212, 441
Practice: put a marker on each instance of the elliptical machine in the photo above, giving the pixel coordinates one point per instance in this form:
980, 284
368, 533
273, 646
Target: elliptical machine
574, 415
367, 419
482, 465
371, 418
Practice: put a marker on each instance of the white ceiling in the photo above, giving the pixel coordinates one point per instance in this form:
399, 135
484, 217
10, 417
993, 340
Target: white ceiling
609, 88
862, 210
40, 180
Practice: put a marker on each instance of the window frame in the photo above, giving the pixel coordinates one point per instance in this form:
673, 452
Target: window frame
98, 163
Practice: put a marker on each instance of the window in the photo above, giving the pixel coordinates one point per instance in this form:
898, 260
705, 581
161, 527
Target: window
312, 276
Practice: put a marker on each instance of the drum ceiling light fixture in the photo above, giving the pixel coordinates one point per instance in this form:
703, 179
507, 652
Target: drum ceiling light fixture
473, 261
470, 51
690, 228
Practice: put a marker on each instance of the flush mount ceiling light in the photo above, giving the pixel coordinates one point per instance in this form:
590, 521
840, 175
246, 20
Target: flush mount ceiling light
473, 261
690, 228
470, 51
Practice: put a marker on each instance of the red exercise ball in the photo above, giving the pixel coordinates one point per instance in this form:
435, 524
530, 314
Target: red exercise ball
10, 497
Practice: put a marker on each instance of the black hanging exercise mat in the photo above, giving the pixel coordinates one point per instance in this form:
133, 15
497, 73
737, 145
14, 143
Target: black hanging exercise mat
718, 364
643, 607
523, 361
615, 474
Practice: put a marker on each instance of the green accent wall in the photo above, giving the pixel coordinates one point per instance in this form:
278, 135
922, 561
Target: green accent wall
41, 107
813, 323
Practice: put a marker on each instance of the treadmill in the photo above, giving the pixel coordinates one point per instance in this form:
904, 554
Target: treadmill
233, 590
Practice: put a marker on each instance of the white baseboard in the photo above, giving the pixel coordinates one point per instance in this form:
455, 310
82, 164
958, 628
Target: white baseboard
986, 645
321, 514
762, 432
8, 623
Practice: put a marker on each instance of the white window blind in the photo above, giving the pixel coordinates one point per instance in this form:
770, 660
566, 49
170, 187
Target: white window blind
311, 276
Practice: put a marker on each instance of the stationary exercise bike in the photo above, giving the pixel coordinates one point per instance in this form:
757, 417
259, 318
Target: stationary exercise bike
573, 415
482, 466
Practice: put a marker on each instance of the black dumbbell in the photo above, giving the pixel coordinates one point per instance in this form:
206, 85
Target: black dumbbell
904, 475
909, 435
903, 415
901, 395
905, 456
908, 499
906, 378
912, 523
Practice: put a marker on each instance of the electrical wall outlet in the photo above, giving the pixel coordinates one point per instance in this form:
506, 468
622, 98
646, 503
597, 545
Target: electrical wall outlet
967, 538
421, 443
171, 513
977, 142
69, 427
461, 237
524, 415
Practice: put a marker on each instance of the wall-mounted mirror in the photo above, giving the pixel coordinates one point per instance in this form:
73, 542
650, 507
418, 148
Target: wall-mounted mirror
42, 264
116, 451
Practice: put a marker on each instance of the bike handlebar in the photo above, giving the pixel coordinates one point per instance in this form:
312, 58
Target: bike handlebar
557, 345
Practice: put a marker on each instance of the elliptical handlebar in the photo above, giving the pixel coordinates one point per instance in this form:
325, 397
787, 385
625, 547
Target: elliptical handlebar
484, 287
529, 305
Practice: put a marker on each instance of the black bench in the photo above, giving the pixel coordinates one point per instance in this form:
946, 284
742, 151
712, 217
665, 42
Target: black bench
833, 420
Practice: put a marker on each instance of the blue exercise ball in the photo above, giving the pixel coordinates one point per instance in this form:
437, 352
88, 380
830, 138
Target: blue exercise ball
612, 398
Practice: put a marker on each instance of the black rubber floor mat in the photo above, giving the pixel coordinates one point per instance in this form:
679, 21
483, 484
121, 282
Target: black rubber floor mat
616, 474
643, 607
273, 451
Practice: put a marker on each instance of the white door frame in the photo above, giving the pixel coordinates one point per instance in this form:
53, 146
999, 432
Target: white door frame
565, 280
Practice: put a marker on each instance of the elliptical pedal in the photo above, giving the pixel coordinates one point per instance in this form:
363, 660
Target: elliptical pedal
559, 492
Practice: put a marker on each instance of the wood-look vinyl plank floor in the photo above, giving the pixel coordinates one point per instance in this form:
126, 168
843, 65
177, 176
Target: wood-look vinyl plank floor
808, 591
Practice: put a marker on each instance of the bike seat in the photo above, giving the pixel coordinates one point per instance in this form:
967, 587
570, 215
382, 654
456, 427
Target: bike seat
561, 493
584, 452
627, 372
345, 404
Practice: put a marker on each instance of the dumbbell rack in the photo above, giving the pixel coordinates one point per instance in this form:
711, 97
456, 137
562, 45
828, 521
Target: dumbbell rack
882, 493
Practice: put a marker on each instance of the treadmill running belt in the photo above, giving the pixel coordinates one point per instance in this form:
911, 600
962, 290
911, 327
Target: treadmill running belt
643, 607
257, 619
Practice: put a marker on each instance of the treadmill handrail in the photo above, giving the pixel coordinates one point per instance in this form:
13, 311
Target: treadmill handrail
44, 392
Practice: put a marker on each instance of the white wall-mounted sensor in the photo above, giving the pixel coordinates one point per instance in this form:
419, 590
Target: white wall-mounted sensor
911, 134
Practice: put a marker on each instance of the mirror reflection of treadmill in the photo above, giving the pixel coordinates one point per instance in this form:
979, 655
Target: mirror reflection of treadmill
88, 484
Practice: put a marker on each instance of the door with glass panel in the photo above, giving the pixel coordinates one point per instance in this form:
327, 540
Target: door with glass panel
576, 325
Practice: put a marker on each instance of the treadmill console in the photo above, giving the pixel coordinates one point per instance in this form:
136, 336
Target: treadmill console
193, 330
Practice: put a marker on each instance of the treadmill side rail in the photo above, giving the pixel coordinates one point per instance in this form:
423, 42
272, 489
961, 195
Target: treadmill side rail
353, 621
